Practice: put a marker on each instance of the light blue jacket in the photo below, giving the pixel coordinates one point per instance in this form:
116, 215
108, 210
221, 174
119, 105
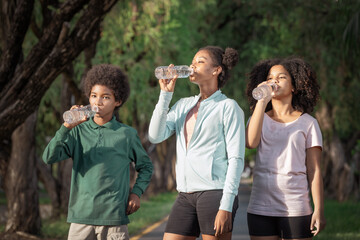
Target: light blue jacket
215, 155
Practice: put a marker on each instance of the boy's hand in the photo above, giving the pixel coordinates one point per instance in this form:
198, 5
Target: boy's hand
133, 203
72, 125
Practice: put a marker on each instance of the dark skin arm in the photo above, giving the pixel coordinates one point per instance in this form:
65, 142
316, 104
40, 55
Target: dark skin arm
223, 222
133, 203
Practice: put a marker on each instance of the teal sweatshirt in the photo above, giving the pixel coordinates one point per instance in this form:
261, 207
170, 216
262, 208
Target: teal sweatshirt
214, 158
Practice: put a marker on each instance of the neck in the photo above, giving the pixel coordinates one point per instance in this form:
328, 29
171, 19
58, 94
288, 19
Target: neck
282, 107
102, 120
207, 90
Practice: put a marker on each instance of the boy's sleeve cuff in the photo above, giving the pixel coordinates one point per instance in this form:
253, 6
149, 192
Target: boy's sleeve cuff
63, 130
137, 191
227, 202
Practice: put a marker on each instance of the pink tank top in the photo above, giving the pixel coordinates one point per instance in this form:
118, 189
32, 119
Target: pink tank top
190, 123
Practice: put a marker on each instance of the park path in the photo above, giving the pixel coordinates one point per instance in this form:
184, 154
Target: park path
240, 230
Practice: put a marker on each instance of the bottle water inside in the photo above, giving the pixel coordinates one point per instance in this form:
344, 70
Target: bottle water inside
264, 91
166, 72
77, 114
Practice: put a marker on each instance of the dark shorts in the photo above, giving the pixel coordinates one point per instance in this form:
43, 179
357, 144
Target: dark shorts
193, 213
284, 227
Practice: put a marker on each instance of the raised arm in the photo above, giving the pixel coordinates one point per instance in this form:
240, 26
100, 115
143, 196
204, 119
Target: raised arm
254, 127
162, 123
60, 147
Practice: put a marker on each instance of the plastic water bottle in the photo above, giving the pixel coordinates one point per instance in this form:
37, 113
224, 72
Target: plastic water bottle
77, 114
166, 72
264, 91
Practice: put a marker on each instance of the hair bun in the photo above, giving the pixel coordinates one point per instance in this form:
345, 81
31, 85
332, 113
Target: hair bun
230, 58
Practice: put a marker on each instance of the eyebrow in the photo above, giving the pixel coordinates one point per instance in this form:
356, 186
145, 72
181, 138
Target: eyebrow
277, 74
102, 94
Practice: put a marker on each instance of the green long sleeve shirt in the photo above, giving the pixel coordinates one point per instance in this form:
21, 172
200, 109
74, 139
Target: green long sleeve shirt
100, 174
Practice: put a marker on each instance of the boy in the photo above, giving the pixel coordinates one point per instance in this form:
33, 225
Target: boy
102, 149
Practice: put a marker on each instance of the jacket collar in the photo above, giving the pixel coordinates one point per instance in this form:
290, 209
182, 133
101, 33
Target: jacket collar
212, 97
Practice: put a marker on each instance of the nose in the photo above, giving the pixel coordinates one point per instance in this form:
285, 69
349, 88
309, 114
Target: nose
98, 101
274, 80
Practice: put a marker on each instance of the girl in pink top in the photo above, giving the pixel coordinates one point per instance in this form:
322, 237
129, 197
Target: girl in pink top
289, 146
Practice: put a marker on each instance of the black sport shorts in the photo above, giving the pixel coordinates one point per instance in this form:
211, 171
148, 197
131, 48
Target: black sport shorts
284, 227
193, 213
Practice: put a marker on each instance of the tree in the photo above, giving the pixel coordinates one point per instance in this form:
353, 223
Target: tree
318, 31
67, 28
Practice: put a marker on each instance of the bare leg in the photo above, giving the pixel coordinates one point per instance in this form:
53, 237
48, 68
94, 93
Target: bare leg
173, 236
264, 238
226, 236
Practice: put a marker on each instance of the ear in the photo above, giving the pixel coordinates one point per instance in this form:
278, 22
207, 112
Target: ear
217, 71
117, 104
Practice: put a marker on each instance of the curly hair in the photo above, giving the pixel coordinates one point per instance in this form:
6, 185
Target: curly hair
110, 76
303, 79
225, 59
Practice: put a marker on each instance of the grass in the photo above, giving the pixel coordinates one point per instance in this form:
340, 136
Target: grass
152, 210
342, 221
55, 228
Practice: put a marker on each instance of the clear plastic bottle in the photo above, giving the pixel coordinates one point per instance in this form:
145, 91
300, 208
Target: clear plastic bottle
77, 114
264, 91
166, 72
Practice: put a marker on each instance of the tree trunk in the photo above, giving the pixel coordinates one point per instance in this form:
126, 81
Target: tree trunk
339, 180
51, 186
163, 156
21, 181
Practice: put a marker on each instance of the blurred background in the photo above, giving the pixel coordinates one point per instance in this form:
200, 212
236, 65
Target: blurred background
46, 47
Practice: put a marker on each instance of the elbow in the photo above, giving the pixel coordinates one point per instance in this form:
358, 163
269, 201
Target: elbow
251, 144
154, 137
154, 140
248, 146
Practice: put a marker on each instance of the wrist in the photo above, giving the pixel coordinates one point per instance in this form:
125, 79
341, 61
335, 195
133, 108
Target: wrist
262, 103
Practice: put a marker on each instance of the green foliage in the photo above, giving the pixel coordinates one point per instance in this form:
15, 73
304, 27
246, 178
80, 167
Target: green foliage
250, 155
143, 35
2, 198
152, 210
342, 221
140, 35
47, 120
55, 228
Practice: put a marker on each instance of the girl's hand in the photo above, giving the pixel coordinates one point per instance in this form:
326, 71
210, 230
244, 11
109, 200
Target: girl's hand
268, 98
223, 222
72, 125
168, 85
317, 222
